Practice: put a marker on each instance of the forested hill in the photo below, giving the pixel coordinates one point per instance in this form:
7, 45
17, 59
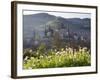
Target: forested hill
37, 23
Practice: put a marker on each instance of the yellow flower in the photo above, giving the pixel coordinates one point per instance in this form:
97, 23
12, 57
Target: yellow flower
62, 49
59, 60
41, 56
49, 57
32, 58
38, 60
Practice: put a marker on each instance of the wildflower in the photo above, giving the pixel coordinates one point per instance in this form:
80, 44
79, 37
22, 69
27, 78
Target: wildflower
30, 50
37, 53
29, 67
32, 58
59, 60
55, 50
70, 56
41, 56
84, 49
38, 60
66, 49
26, 58
62, 49
70, 50
33, 65
80, 50
49, 57
75, 56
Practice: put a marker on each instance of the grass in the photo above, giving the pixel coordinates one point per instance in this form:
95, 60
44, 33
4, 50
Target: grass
53, 58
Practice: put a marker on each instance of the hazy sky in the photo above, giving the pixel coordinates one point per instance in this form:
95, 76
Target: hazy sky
61, 14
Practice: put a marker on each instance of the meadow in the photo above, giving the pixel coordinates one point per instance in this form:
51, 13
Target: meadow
53, 58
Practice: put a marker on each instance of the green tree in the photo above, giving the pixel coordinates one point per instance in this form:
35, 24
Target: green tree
57, 40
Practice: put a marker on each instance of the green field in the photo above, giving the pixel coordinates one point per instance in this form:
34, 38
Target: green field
53, 58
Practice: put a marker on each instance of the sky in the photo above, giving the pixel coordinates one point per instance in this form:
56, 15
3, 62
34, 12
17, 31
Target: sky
60, 14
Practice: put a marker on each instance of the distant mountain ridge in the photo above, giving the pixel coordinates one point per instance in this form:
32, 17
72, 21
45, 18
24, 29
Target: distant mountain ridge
38, 22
